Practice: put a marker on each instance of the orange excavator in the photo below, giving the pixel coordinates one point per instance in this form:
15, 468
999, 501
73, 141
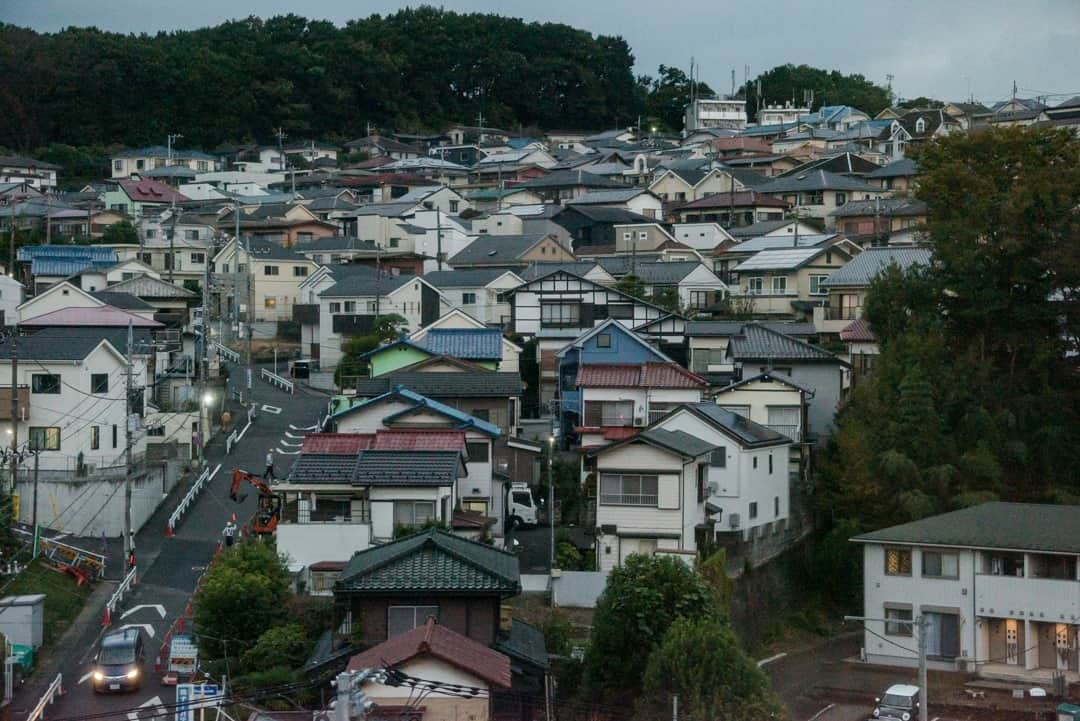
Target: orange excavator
265, 520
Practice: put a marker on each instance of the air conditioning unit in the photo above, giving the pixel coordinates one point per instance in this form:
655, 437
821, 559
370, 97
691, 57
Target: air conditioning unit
961, 663
733, 520
712, 487
638, 422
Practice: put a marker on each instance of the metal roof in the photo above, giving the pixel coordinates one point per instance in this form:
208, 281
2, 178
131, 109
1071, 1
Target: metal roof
1007, 526
641, 375
467, 343
570, 178
816, 180
102, 316
897, 168
867, 265
494, 249
679, 441
464, 278
721, 328
121, 300
147, 286
608, 197
785, 259
745, 431
758, 343
775, 242
54, 344
421, 402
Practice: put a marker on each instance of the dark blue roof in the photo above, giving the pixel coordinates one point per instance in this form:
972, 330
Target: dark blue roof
467, 343
64, 260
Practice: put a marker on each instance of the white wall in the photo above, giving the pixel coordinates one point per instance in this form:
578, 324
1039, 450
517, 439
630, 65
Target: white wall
700, 236
11, 296
308, 543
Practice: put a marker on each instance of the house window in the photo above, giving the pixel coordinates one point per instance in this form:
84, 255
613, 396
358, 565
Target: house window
478, 452
140, 164
816, 287
816, 197
413, 514
718, 458
45, 438
198, 258
755, 462
699, 298
454, 205
776, 506
841, 198
270, 270
629, 489
191, 234
920, 126
269, 301
150, 233
1004, 564
560, 314
627, 236
483, 414
95, 438
770, 464
335, 307
395, 242
642, 235
603, 340
897, 561
322, 582
609, 413
468, 298
371, 306
45, 383
299, 271
115, 435
702, 476
755, 286
779, 284
99, 383
480, 507
118, 165
892, 615
620, 312
350, 306
936, 564
402, 619
753, 510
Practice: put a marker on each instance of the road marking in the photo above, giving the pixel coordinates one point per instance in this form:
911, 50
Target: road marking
770, 659
304, 428
295, 438
156, 606
291, 445
272, 409
85, 676
148, 627
821, 712
134, 715
287, 453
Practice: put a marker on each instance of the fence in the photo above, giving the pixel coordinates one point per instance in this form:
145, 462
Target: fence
238, 433
226, 353
64, 554
204, 478
55, 689
275, 380
118, 596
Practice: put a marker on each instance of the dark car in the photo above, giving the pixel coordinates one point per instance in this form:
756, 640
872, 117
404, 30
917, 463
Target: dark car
120, 661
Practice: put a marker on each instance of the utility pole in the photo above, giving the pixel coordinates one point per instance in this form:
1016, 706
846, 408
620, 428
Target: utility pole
33, 522
170, 138
281, 149
438, 237
14, 407
917, 624
236, 271
551, 499
250, 318
172, 240
128, 540
675, 707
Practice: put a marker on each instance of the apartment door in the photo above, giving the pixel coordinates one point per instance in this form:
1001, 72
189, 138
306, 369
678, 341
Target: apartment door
1012, 642
1061, 645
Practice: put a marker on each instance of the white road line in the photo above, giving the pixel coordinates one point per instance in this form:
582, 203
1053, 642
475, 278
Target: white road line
134, 715
292, 445
304, 428
820, 713
85, 676
156, 606
287, 453
290, 435
271, 409
770, 659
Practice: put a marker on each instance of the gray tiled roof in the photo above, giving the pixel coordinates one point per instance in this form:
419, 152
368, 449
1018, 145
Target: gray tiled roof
1012, 526
760, 228
758, 343
570, 178
897, 168
465, 278
864, 267
387, 210
525, 642
365, 285
815, 180
539, 270
608, 197
885, 207
336, 242
707, 328
678, 441
262, 249
494, 249
406, 468
610, 214
320, 468
462, 384
124, 301
776, 242
654, 273
50, 345
746, 431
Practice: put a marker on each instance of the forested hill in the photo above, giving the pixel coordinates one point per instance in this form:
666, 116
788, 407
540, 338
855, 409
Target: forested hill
417, 69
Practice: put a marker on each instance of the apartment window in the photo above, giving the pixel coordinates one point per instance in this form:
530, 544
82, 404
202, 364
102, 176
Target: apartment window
560, 314
478, 452
755, 286
299, 271
335, 307
270, 270
45, 383
198, 258
402, 619
629, 489
936, 564
642, 235
394, 242
753, 510
371, 306
99, 383
816, 197
454, 205
95, 438
699, 298
413, 513
115, 435
603, 340
1048, 565
816, 287
191, 234
718, 458
779, 284
350, 306
627, 236
841, 198
609, 413
45, 438
892, 616
269, 301
1003, 564
619, 312
897, 561
468, 298
150, 233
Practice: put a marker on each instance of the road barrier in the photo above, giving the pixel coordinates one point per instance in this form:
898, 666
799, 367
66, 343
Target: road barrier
204, 478
227, 353
238, 433
118, 596
275, 380
56, 688
63, 554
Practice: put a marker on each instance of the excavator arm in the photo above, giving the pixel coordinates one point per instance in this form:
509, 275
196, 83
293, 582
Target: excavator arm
269, 511
240, 477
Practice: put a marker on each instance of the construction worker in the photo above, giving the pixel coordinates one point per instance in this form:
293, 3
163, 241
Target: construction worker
268, 474
229, 533
226, 419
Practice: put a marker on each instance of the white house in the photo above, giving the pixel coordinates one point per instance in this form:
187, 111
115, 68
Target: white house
11, 297
996, 586
700, 236
273, 284
480, 292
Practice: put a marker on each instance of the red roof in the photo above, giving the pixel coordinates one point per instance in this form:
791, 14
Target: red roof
377, 162
419, 440
645, 375
151, 191
327, 566
439, 642
858, 331
610, 433
337, 444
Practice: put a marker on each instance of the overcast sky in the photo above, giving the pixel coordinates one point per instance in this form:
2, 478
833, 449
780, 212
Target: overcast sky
937, 48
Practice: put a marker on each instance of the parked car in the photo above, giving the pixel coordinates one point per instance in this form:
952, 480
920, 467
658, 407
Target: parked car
120, 661
900, 703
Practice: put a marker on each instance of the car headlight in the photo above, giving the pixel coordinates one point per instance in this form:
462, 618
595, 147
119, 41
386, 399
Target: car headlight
905, 716
134, 673
99, 676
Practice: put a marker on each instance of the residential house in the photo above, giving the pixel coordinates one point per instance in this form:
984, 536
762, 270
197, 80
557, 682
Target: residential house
923, 125
701, 236
177, 244
759, 349
882, 221
966, 113
526, 219
817, 193
727, 256
846, 163
467, 155
727, 113
707, 342
594, 227
847, 286
479, 346
493, 200
510, 252
742, 208
36, 173
377, 145
683, 185
1065, 115
562, 186
636, 200
138, 161
480, 292
993, 587
45, 265
768, 165
873, 141
171, 303
806, 142
457, 319
772, 228
12, 294
435, 170
533, 155
447, 200
862, 349
285, 224
587, 269
788, 281
136, 197
267, 276
834, 117
690, 284
560, 306
898, 176
699, 474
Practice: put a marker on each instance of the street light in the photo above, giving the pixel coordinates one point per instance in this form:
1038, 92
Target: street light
551, 500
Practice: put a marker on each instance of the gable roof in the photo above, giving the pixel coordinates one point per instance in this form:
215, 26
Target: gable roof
103, 316
607, 214
748, 433
494, 249
679, 442
722, 328
465, 277
841, 163
431, 561
656, 273
816, 180
611, 325
449, 384
436, 641
639, 375
538, 269
858, 331
121, 300
147, 286
415, 467
766, 377
361, 284
885, 207
757, 229
759, 343
53, 344
150, 191
468, 343
867, 265
609, 197
420, 402
779, 242
897, 168
781, 259
569, 179
1007, 526
740, 198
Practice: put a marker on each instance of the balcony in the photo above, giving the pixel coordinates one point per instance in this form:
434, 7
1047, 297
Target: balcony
1037, 599
847, 313
325, 512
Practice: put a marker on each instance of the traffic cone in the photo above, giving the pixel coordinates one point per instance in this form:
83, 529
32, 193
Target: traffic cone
168, 531
107, 620
188, 609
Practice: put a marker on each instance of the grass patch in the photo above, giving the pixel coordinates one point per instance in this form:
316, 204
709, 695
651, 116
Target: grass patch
64, 599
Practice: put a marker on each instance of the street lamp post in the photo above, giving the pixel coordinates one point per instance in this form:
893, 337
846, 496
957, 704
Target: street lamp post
551, 499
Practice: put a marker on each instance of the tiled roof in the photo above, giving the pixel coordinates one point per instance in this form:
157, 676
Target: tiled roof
1009, 526
475, 278
432, 561
720, 328
663, 273
323, 468
103, 316
539, 270
886, 207
742, 198
897, 168
678, 441
467, 343
785, 259
437, 384
758, 343
746, 431
336, 242
495, 249
645, 375
407, 468
432, 640
760, 228
151, 191
570, 178
525, 642
50, 345
867, 265
418, 440
858, 331
123, 301
816, 180
610, 214
65, 260
365, 284
147, 286
780, 242
262, 249
336, 444
608, 197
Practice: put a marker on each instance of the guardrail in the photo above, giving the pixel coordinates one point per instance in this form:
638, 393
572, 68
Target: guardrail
64, 553
227, 353
55, 689
204, 478
118, 595
238, 433
275, 380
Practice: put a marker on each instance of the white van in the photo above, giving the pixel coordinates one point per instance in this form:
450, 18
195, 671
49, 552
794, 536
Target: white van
522, 506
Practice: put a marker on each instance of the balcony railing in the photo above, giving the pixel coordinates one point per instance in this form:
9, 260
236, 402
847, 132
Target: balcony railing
337, 515
792, 432
629, 499
847, 313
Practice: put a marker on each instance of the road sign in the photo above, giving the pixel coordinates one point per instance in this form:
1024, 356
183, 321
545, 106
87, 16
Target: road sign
193, 696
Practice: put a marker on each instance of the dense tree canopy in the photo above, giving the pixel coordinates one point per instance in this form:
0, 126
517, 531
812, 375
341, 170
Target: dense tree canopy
975, 394
667, 95
831, 87
416, 69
